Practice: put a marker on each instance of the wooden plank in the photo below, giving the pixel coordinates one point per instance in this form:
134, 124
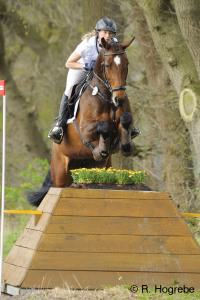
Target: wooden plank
118, 225
117, 194
115, 207
97, 280
19, 256
29, 239
41, 225
116, 262
49, 203
12, 274
118, 244
55, 191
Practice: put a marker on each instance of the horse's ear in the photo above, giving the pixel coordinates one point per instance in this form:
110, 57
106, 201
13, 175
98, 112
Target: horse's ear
124, 45
104, 44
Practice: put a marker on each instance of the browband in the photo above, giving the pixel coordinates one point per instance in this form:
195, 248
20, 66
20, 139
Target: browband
116, 53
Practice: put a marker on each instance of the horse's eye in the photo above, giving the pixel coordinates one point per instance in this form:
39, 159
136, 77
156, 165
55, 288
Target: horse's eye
107, 67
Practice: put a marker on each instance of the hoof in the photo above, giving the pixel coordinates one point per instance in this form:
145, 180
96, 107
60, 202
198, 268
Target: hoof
104, 154
98, 156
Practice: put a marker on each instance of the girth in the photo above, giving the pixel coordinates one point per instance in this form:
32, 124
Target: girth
114, 143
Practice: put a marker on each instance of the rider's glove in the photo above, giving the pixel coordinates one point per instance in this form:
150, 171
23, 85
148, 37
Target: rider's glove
89, 66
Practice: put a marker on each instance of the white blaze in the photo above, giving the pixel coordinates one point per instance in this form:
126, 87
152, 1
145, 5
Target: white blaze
117, 60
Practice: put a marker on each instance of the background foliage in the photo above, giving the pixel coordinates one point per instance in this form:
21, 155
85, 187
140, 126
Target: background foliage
36, 38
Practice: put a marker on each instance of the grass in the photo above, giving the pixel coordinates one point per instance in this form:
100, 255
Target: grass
114, 293
13, 228
198, 240
15, 198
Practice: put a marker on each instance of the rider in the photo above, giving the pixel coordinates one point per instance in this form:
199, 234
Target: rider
80, 63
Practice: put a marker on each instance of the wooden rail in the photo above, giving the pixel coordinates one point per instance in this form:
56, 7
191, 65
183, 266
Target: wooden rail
36, 213
190, 215
27, 212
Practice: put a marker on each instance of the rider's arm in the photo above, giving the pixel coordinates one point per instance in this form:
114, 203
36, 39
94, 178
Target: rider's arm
72, 63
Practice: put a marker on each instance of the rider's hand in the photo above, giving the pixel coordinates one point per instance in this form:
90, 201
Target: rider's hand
89, 66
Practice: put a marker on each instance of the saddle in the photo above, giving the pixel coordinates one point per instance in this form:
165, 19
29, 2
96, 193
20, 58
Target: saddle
77, 91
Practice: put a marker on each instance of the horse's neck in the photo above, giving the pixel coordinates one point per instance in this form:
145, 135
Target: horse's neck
99, 83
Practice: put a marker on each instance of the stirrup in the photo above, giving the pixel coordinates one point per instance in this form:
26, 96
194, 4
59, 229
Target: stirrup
135, 132
56, 136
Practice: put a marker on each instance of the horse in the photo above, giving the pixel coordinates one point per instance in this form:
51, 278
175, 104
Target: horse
102, 126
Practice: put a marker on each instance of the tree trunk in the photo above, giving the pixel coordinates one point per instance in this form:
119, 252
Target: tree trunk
188, 13
168, 40
170, 44
26, 32
96, 10
92, 12
176, 168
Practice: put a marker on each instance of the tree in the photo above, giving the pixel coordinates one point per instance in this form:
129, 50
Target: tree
176, 167
34, 43
36, 37
167, 21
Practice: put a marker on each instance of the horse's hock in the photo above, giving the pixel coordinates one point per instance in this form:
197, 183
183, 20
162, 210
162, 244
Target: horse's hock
89, 239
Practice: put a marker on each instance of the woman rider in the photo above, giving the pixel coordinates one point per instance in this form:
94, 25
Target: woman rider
80, 62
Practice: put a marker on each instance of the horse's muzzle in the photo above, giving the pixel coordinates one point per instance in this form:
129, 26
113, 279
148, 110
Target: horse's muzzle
119, 101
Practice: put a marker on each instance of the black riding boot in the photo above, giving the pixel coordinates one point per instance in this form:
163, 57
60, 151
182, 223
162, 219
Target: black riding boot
57, 132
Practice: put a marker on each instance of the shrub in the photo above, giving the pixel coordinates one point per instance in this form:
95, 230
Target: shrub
110, 175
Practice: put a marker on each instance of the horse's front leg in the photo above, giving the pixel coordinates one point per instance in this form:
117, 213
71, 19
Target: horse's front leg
126, 144
101, 151
59, 167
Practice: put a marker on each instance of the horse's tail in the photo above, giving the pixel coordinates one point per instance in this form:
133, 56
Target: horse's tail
36, 197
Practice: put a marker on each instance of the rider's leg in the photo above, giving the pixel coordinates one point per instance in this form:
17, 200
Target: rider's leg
56, 134
73, 78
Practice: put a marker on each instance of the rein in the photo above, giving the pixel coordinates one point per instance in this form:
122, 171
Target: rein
112, 105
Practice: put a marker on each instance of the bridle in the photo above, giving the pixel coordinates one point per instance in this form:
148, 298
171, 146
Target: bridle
103, 68
106, 82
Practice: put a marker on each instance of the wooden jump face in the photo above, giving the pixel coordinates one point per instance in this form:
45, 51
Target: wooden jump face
95, 238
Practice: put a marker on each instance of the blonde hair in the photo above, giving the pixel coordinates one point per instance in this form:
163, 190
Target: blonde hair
88, 35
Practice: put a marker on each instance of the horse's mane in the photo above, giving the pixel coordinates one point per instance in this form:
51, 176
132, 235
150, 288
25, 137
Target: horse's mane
115, 44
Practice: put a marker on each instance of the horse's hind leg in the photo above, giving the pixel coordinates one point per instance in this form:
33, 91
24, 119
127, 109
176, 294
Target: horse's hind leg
102, 150
126, 144
59, 168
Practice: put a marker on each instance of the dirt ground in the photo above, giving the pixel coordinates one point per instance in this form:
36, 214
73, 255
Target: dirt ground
109, 186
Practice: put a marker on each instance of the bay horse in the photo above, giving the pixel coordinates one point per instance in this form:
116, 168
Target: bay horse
102, 126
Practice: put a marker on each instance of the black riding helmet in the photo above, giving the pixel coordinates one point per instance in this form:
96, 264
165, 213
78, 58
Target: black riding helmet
106, 24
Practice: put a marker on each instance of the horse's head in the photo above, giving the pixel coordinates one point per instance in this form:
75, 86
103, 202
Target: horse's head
115, 69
